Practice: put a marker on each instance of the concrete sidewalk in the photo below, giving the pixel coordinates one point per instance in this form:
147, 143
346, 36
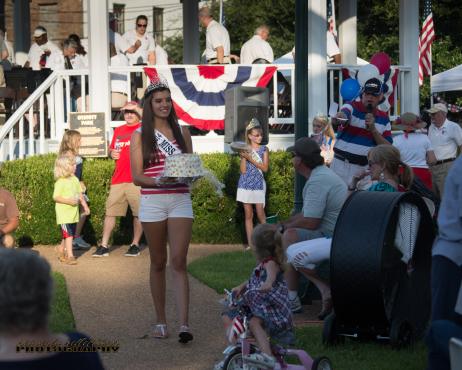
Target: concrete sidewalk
111, 300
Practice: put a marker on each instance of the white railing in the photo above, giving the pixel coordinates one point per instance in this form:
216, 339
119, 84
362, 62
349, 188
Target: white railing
59, 92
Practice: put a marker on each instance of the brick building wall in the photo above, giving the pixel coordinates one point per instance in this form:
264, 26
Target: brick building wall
61, 18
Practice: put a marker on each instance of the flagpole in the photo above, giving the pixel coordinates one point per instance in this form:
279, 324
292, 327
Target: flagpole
221, 11
431, 73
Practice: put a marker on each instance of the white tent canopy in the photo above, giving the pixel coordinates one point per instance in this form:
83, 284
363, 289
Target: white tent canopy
449, 80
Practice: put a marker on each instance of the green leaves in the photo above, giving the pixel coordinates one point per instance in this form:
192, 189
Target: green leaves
31, 181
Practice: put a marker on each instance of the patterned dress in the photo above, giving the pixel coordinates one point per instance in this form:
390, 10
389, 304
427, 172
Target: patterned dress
251, 188
273, 307
382, 186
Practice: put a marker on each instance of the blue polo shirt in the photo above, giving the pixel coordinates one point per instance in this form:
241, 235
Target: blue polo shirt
449, 241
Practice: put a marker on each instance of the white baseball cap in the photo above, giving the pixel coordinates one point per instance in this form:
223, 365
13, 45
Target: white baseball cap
39, 31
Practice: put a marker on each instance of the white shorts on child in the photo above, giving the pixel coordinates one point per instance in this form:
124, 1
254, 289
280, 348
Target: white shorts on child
159, 207
251, 196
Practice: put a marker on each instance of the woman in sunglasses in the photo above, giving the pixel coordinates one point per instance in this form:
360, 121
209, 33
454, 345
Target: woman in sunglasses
384, 162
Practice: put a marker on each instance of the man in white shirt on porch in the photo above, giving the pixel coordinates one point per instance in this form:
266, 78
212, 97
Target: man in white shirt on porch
217, 44
257, 47
42, 46
117, 40
445, 137
146, 53
119, 84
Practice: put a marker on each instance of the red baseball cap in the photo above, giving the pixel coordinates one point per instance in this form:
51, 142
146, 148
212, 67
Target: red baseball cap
131, 105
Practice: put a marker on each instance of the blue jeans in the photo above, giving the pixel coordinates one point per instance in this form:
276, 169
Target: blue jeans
437, 340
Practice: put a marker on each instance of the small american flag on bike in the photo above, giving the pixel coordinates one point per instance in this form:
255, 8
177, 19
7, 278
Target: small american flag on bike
237, 327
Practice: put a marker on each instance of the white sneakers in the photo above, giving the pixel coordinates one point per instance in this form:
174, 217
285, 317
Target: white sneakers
296, 305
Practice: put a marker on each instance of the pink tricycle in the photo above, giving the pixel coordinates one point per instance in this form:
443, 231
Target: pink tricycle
235, 353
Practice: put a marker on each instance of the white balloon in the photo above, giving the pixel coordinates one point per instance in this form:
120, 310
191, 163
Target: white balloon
366, 73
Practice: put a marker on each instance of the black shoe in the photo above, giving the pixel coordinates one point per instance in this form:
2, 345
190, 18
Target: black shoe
133, 251
101, 251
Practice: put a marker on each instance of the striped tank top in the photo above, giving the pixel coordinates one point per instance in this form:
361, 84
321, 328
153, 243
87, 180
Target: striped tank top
153, 170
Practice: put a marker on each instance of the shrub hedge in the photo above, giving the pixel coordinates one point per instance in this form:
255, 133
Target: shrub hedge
31, 182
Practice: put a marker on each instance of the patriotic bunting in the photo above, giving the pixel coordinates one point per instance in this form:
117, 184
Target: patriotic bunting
198, 92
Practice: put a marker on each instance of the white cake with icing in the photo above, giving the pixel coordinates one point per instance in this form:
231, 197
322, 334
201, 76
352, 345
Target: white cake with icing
184, 165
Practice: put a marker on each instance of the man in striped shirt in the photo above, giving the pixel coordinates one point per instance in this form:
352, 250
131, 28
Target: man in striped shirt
361, 127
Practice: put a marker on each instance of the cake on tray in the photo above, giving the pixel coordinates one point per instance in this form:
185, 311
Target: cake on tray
184, 165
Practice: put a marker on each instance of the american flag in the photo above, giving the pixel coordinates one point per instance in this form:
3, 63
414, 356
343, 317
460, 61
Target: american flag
331, 18
222, 15
237, 327
428, 35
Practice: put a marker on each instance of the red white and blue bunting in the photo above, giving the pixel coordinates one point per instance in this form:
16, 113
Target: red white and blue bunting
451, 107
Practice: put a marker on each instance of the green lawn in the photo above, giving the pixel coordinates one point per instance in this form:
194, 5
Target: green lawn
61, 317
229, 269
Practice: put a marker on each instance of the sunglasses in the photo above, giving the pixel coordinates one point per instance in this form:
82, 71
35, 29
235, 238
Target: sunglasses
294, 155
370, 163
129, 112
266, 33
141, 25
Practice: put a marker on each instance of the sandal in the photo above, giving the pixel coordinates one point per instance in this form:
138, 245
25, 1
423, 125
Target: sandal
62, 257
185, 334
57, 249
161, 331
267, 362
71, 261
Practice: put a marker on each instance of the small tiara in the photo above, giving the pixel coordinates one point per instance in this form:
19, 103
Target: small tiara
320, 115
253, 123
157, 81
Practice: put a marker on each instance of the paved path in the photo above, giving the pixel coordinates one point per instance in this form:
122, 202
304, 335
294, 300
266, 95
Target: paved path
111, 300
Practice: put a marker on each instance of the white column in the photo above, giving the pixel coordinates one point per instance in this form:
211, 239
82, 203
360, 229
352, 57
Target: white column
317, 51
99, 81
409, 54
21, 26
348, 41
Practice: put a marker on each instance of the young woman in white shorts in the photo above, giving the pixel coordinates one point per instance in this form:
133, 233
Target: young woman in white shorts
165, 208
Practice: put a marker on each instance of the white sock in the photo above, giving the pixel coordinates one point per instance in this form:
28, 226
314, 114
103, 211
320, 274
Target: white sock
292, 294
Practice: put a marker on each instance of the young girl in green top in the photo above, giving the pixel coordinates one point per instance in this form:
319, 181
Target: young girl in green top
67, 194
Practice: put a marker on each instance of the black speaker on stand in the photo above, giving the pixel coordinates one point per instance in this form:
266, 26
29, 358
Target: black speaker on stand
243, 103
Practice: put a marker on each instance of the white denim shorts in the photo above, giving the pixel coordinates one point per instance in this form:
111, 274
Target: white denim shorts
159, 207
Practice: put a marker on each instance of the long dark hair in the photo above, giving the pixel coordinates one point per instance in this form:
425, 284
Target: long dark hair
148, 138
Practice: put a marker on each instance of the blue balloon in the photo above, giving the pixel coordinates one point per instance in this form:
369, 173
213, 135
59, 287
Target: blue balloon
350, 89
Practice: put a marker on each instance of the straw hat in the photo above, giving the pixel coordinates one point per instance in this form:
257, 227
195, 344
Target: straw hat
409, 122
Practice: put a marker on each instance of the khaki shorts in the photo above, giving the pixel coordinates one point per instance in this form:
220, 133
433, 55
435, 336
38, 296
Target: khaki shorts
120, 197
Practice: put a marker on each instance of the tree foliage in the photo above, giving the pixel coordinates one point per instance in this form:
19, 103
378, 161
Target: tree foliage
378, 31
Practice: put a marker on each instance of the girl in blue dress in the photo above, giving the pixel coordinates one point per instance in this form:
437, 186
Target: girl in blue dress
252, 187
